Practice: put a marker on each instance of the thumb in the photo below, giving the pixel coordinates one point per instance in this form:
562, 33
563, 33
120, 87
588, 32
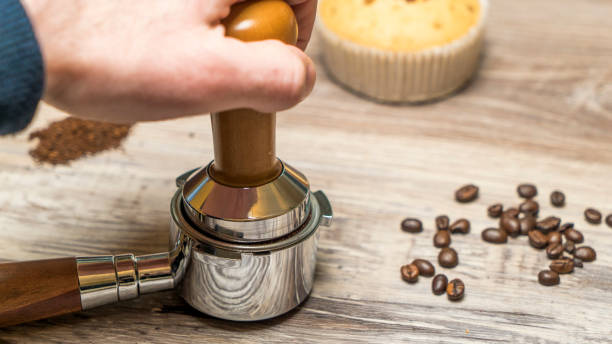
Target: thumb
267, 75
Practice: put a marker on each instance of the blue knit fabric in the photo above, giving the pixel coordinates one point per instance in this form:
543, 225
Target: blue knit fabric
21, 68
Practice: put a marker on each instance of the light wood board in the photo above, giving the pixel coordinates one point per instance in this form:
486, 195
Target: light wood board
540, 110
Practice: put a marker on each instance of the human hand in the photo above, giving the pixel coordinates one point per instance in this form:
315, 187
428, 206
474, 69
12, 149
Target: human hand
144, 60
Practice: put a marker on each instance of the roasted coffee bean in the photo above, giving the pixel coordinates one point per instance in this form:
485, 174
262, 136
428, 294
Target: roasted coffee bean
585, 253
562, 266
425, 267
578, 263
548, 278
555, 237
529, 207
460, 226
528, 223
410, 273
512, 212
455, 289
592, 216
573, 235
569, 246
511, 225
549, 224
466, 193
609, 220
442, 239
554, 250
527, 190
557, 199
495, 235
495, 210
442, 222
448, 257
412, 225
566, 226
438, 284
537, 239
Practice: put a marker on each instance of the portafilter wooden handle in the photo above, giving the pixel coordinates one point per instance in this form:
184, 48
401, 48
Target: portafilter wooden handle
244, 139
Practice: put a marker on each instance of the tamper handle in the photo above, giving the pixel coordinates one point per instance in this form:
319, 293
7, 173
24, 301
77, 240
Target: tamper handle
244, 139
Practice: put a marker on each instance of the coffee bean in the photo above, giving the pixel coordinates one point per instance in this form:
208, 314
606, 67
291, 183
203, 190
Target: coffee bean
442, 239
412, 225
529, 207
466, 193
494, 235
609, 220
438, 284
585, 253
527, 190
569, 246
512, 212
548, 278
442, 222
554, 250
495, 210
511, 225
448, 257
426, 269
410, 273
549, 224
537, 239
557, 199
574, 235
460, 226
528, 223
566, 226
562, 266
555, 237
592, 216
455, 289
578, 263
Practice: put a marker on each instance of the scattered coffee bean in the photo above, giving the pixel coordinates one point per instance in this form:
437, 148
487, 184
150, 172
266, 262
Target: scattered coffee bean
512, 212
412, 225
460, 226
549, 224
494, 235
585, 253
562, 266
527, 190
442, 222
537, 239
566, 226
555, 237
592, 216
495, 210
548, 278
410, 273
609, 220
574, 235
578, 263
448, 257
569, 246
528, 223
557, 199
554, 250
466, 193
529, 207
442, 239
455, 289
438, 284
511, 225
426, 269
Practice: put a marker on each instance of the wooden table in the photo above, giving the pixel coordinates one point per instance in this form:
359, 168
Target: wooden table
539, 111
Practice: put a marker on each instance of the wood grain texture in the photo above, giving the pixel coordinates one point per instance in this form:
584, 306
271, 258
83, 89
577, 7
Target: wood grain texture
540, 111
38, 289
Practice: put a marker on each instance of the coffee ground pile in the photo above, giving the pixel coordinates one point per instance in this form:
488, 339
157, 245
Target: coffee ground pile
72, 138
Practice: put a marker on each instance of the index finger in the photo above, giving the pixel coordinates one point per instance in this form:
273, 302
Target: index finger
305, 12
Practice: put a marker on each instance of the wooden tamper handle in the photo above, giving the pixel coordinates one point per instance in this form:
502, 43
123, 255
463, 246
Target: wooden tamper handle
244, 139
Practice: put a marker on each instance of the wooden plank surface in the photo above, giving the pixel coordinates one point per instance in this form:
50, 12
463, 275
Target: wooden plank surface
539, 111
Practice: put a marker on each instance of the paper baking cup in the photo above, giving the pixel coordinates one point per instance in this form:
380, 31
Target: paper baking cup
404, 76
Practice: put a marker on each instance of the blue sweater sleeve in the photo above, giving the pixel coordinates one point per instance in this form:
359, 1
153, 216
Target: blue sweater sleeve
21, 68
